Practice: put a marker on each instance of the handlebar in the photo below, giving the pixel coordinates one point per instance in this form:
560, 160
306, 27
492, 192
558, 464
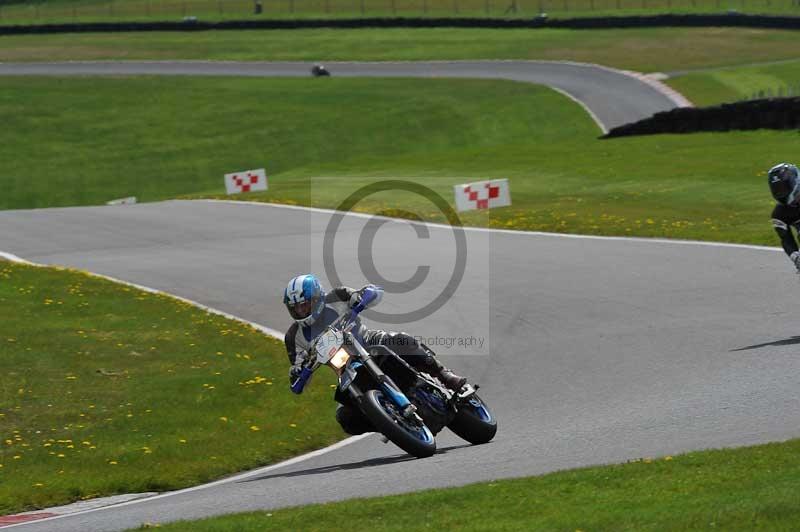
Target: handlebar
369, 295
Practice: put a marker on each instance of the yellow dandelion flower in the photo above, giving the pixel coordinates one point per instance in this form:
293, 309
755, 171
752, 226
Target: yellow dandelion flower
293, 425
223, 418
112, 462
182, 440
17, 457
254, 428
60, 455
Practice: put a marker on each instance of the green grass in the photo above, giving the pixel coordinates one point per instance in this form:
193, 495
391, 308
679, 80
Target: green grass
645, 50
91, 140
107, 389
125, 10
752, 488
710, 87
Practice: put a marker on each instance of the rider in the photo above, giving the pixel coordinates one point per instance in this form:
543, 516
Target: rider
784, 183
313, 310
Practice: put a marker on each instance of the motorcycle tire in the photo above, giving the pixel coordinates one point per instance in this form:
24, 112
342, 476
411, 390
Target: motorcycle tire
422, 444
474, 422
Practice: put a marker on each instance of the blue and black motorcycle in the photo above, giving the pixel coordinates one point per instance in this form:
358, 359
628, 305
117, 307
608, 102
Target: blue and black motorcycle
407, 406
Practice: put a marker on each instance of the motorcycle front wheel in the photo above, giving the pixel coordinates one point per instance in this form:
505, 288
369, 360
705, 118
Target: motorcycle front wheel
414, 438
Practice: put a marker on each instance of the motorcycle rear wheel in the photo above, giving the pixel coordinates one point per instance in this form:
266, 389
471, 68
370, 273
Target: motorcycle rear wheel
386, 419
474, 422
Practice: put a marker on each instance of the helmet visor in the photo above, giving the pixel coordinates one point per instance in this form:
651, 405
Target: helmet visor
301, 310
782, 190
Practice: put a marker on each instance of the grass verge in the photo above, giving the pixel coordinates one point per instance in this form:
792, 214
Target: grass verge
752, 488
97, 139
656, 49
719, 85
107, 389
65, 11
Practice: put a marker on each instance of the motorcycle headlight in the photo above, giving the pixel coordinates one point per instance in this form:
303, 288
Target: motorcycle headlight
339, 360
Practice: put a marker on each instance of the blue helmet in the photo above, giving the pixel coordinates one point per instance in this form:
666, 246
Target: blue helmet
304, 299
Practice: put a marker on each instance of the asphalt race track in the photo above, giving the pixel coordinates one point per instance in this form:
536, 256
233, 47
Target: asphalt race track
612, 96
599, 350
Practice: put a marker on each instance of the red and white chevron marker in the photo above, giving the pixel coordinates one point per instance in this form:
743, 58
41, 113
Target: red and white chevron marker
246, 181
23, 518
483, 195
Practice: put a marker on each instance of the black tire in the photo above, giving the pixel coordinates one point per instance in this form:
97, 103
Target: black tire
469, 425
384, 422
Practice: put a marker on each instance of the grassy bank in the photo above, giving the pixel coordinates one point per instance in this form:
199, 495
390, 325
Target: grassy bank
20, 12
107, 389
97, 139
719, 85
656, 49
752, 488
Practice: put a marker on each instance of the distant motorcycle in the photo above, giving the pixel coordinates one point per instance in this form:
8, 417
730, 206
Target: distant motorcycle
408, 407
319, 70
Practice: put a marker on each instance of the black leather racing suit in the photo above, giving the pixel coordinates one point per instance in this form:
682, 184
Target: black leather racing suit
298, 342
784, 217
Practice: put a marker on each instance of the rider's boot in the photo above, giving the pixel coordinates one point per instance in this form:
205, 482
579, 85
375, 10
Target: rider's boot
352, 420
435, 368
451, 380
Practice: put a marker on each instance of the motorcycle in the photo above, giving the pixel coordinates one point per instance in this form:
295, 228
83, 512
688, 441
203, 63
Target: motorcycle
319, 71
407, 406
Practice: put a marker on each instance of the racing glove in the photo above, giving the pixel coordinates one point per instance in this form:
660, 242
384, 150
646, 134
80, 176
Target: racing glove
297, 367
355, 298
